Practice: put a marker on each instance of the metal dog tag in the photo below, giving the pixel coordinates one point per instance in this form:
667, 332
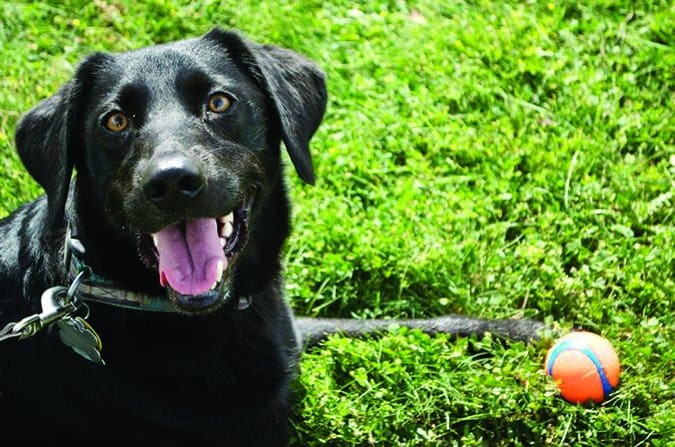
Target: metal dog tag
81, 337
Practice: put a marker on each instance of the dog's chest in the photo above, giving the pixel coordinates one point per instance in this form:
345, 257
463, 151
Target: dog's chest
148, 392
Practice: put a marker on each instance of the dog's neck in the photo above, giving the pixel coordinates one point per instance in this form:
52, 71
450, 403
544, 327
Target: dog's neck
109, 252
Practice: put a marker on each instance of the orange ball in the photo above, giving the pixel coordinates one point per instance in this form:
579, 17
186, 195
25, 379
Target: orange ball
584, 366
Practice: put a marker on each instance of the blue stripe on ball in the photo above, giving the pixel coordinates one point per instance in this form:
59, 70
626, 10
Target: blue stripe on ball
576, 346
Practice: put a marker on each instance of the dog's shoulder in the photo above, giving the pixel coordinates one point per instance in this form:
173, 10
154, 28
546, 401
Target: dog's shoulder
27, 262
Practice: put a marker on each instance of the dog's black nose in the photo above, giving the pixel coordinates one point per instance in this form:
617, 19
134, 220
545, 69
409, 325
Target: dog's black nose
171, 178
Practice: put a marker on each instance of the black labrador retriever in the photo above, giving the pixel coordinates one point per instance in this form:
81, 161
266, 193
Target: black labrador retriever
166, 245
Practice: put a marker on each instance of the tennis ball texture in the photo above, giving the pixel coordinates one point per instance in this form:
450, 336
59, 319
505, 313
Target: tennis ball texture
584, 366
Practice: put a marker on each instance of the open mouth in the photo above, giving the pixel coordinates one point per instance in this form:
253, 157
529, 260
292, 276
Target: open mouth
194, 257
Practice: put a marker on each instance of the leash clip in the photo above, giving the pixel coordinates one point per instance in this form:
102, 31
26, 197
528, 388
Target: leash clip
58, 305
56, 302
53, 308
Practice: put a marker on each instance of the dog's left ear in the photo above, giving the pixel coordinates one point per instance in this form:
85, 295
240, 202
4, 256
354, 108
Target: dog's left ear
48, 139
296, 86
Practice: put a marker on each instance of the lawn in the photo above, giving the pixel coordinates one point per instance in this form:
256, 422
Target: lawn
496, 159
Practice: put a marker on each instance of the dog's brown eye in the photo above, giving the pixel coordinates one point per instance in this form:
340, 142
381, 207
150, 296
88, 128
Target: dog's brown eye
218, 103
116, 122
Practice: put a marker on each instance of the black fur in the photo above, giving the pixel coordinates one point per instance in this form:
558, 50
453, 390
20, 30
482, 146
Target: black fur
208, 378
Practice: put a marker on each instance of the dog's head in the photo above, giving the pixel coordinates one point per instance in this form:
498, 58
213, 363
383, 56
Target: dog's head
173, 145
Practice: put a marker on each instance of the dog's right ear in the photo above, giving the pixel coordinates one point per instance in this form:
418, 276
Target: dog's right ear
50, 135
296, 86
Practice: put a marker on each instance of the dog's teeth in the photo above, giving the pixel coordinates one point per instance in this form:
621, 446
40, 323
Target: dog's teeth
228, 218
223, 241
227, 225
154, 239
227, 229
220, 267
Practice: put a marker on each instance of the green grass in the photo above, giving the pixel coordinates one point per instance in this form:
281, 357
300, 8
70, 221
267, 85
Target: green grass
498, 159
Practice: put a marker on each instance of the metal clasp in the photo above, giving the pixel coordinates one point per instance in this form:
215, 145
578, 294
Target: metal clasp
56, 303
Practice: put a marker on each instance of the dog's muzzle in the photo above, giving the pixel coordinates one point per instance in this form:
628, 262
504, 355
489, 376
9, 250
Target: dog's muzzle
194, 257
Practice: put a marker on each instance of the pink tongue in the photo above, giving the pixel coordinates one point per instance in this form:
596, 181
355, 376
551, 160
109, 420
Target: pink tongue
188, 260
